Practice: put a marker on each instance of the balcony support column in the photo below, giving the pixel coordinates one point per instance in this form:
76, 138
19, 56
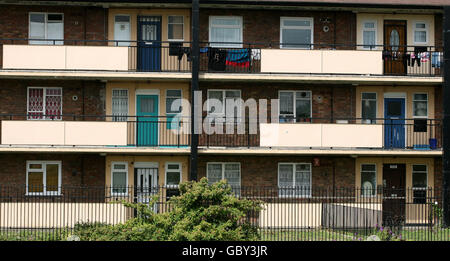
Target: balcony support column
195, 52
446, 121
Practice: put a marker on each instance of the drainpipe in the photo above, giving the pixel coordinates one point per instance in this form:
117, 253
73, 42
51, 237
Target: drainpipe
446, 121
194, 87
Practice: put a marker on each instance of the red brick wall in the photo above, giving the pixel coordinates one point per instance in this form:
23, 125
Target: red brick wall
13, 96
263, 26
89, 169
327, 100
438, 37
262, 171
79, 22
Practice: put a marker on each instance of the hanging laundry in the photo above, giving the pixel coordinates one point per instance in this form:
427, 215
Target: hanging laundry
425, 57
216, 59
240, 58
436, 59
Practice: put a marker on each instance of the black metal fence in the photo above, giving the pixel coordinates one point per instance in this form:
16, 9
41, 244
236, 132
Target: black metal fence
288, 213
229, 57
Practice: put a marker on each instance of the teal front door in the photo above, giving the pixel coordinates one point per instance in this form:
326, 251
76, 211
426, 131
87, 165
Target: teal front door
147, 120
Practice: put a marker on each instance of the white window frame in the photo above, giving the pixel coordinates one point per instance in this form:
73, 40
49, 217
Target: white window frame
225, 45
363, 29
294, 103
223, 113
43, 103
128, 103
126, 179
167, 96
175, 40
376, 106
360, 181
44, 177
223, 170
129, 36
412, 176
45, 28
311, 27
426, 30
414, 100
293, 179
166, 169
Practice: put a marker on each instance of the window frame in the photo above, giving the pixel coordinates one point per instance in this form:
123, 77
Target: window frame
426, 30
224, 44
166, 168
311, 27
112, 179
168, 23
363, 29
376, 108
129, 32
294, 105
360, 177
112, 104
223, 113
223, 171
294, 170
59, 42
44, 103
418, 199
44, 177
414, 100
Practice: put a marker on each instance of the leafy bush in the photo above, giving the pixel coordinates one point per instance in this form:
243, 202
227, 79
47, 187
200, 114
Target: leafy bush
201, 212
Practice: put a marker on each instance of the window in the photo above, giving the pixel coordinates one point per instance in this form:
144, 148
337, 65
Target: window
295, 106
369, 107
217, 102
44, 103
296, 32
122, 30
43, 26
419, 180
420, 105
420, 33
225, 31
119, 178
173, 101
43, 177
173, 174
294, 179
119, 104
369, 34
175, 28
368, 180
229, 171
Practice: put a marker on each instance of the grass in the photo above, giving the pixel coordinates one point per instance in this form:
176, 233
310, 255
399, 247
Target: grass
407, 234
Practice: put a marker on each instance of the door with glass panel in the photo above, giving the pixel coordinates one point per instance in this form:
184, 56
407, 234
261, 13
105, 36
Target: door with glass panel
149, 43
146, 184
394, 123
147, 120
394, 47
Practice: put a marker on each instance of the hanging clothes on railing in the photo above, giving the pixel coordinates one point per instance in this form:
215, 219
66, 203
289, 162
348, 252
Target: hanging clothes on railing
216, 59
436, 59
239, 58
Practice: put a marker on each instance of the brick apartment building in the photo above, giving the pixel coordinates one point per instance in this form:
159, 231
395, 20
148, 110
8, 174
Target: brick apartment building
86, 89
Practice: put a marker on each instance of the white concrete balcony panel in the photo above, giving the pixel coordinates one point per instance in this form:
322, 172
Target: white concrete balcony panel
321, 135
321, 61
50, 57
64, 133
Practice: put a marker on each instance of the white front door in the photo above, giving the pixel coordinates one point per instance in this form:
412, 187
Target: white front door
147, 183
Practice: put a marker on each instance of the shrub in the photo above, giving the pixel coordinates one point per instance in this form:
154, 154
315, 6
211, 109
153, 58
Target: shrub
201, 212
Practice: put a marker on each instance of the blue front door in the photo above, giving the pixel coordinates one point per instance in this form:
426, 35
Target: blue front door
394, 123
147, 120
149, 43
